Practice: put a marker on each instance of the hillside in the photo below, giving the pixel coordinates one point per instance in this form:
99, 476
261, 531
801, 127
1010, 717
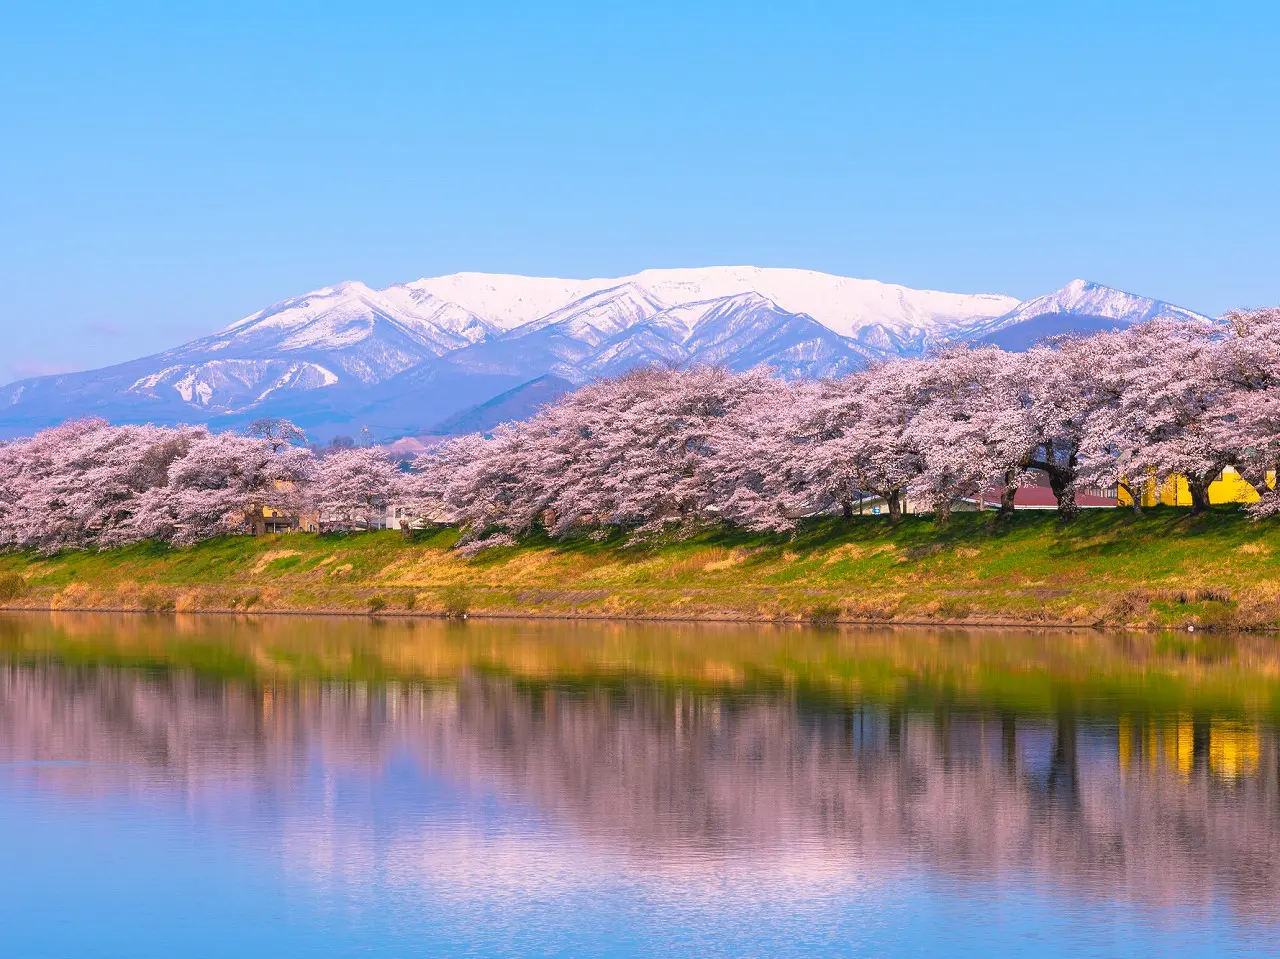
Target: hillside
1158, 569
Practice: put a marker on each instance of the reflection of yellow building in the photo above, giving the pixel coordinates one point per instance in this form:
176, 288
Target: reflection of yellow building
1233, 749
1168, 742
1177, 740
1229, 487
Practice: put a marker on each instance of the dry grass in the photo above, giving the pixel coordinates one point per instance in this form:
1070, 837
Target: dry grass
1161, 568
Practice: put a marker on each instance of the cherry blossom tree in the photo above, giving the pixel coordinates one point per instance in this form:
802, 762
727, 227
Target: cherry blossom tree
760, 477
973, 426
276, 431
490, 486
861, 438
83, 483
1160, 408
1250, 367
657, 450
227, 483
352, 487
628, 452
644, 447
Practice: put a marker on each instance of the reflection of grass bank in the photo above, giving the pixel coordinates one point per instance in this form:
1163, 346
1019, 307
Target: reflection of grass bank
1161, 568
1019, 671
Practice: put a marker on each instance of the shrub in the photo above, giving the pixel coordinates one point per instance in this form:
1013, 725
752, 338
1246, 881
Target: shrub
456, 601
1212, 595
1127, 608
376, 604
154, 601
954, 609
12, 586
824, 615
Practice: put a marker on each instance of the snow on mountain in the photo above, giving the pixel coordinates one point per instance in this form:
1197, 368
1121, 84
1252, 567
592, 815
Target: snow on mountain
505, 300
1079, 307
412, 355
749, 330
253, 380
740, 332
842, 304
345, 333
340, 316
597, 316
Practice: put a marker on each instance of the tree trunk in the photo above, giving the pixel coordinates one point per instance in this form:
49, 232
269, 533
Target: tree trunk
846, 508
1063, 485
894, 500
942, 515
1135, 496
1273, 473
1007, 494
1199, 495
258, 519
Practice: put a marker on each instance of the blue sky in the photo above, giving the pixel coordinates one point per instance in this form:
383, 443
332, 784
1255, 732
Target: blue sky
167, 168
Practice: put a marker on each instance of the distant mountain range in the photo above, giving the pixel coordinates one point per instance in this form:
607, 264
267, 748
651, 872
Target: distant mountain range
463, 352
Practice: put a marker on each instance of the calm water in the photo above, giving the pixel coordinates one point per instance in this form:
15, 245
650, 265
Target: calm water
286, 787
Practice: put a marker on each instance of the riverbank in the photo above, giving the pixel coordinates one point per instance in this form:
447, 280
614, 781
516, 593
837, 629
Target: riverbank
1161, 568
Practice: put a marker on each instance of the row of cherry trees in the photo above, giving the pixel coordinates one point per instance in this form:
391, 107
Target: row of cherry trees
662, 448
90, 484
659, 448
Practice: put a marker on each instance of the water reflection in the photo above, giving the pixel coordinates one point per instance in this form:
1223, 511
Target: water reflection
1100, 768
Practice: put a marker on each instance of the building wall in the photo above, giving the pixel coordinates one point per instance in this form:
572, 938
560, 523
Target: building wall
1230, 487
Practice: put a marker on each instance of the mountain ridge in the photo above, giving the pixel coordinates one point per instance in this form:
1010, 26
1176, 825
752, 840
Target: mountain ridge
416, 354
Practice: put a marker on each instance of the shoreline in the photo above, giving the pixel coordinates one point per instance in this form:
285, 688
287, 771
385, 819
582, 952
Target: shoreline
570, 617
1161, 570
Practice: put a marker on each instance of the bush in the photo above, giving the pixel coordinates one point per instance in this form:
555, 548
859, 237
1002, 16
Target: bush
376, 604
1213, 595
1129, 607
154, 601
824, 615
12, 586
456, 601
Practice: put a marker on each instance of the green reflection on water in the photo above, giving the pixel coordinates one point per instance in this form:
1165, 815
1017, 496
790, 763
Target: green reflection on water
1018, 671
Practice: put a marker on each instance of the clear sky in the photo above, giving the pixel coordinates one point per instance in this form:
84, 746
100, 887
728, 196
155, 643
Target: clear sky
168, 168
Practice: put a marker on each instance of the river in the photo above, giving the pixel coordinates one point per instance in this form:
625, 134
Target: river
214, 786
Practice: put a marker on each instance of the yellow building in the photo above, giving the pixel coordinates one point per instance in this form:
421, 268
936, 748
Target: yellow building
1229, 487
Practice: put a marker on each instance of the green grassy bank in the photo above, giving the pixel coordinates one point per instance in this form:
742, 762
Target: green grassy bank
1162, 568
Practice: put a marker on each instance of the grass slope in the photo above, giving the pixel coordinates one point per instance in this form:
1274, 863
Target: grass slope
1159, 568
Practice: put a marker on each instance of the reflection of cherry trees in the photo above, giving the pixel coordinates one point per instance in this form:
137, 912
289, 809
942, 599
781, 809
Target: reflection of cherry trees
1165, 809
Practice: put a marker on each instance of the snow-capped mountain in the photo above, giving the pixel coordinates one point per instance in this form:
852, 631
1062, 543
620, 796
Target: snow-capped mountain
1079, 307
843, 304
316, 340
411, 356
